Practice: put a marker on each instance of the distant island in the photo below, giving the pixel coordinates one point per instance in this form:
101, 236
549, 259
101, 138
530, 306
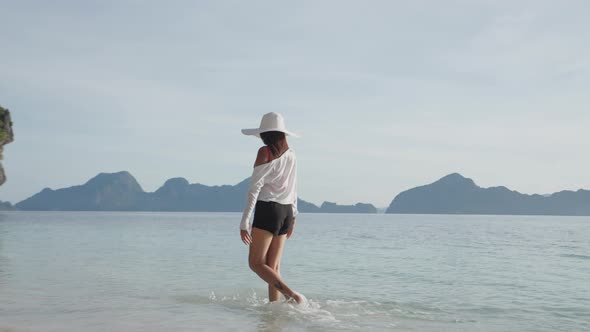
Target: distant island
6, 206
455, 194
452, 194
120, 191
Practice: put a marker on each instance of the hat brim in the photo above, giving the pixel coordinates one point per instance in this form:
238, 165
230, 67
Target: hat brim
257, 131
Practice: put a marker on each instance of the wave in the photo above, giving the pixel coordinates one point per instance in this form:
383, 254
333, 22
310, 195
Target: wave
575, 256
10, 329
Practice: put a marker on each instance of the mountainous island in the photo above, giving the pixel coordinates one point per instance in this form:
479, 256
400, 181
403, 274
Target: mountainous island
452, 194
455, 194
6, 206
120, 191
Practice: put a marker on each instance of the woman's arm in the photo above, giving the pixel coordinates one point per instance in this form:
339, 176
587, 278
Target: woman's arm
295, 209
262, 168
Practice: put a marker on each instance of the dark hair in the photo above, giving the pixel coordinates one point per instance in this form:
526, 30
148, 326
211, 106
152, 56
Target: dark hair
275, 140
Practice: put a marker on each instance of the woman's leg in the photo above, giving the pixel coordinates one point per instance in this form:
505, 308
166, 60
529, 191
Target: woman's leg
261, 241
273, 259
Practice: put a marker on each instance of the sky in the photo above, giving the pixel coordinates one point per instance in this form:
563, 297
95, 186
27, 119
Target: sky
386, 95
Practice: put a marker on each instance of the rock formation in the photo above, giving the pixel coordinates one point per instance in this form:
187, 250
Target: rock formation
6, 136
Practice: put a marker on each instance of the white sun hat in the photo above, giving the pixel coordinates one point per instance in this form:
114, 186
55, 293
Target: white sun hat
270, 122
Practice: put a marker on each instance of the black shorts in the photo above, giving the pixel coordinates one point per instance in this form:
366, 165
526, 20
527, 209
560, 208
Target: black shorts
273, 217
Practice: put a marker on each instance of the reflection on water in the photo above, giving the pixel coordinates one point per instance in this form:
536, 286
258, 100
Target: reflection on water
3, 259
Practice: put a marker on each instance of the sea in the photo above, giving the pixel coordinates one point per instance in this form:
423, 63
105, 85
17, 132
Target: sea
188, 271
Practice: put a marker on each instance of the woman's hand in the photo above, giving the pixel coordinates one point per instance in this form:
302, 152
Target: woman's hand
246, 238
291, 230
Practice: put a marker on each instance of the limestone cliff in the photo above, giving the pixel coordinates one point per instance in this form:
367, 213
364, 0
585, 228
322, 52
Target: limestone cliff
6, 136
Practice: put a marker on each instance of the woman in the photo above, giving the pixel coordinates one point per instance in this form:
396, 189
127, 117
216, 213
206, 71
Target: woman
273, 192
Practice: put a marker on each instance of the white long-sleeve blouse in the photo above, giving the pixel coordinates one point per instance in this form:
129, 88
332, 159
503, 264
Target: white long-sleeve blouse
273, 181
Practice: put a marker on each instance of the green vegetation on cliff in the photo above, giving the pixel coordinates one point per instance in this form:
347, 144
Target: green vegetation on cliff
3, 133
6, 133
6, 136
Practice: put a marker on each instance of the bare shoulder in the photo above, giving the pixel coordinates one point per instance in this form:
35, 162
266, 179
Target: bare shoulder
262, 156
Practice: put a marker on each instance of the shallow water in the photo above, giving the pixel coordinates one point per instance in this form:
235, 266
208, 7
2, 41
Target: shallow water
132, 271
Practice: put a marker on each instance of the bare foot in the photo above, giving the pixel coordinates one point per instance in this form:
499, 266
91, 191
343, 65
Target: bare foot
296, 297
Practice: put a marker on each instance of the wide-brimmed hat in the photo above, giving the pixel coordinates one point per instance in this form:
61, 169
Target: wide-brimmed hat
270, 122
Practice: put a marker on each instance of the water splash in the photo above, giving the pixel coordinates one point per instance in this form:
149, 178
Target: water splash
324, 314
